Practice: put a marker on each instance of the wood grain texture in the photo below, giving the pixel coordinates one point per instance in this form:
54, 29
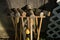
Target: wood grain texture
17, 3
21, 3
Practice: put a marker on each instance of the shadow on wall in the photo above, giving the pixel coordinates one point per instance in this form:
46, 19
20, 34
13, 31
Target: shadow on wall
5, 22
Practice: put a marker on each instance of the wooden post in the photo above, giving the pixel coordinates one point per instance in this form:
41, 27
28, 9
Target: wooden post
12, 18
36, 20
31, 29
20, 31
41, 16
32, 19
15, 26
23, 28
28, 22
16, 36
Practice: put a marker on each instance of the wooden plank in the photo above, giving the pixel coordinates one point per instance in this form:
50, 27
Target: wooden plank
21, 3
36, 3
17, 3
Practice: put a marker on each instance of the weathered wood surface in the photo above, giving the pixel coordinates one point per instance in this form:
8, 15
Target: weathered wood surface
21, 3
16, 3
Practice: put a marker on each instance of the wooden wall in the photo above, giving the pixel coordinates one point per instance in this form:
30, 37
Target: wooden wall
21, 3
